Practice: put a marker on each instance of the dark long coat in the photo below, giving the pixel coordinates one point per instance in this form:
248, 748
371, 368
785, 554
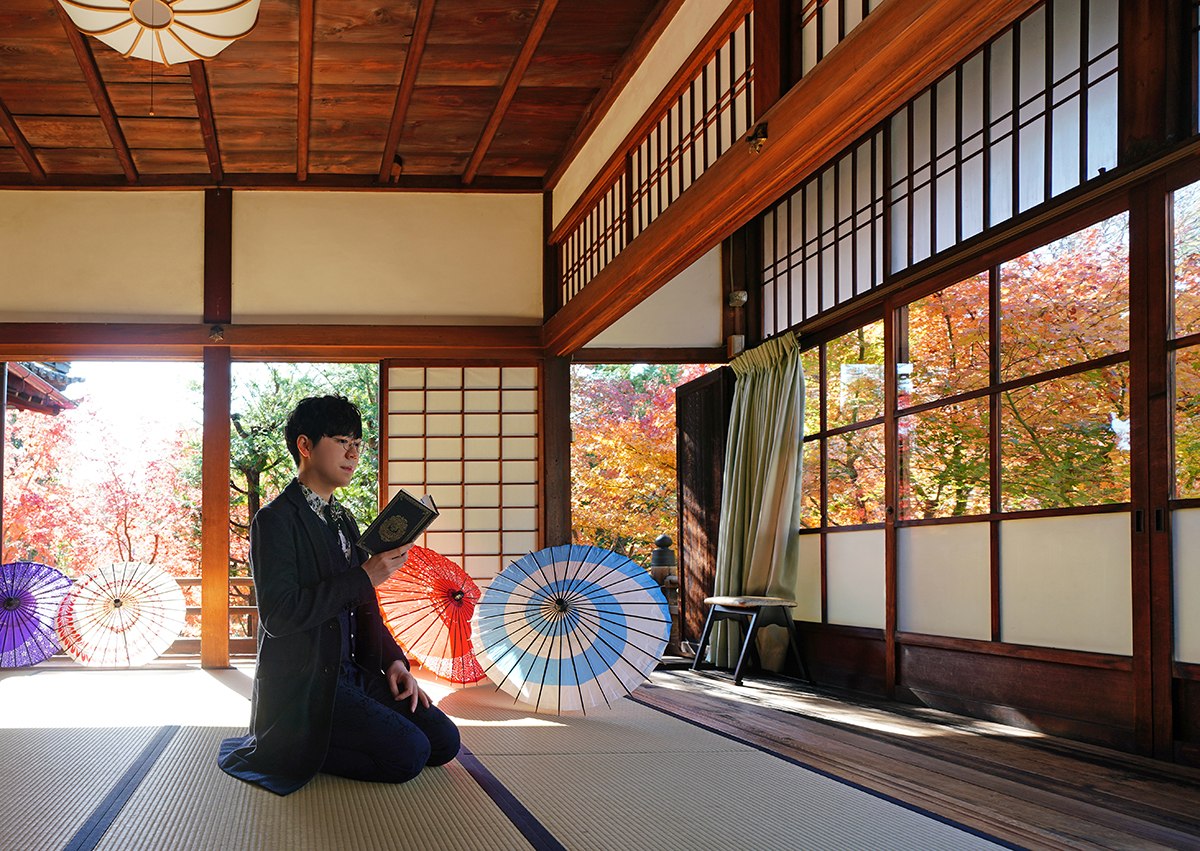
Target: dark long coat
300, 645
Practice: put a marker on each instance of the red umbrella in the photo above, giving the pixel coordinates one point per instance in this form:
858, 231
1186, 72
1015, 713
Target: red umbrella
428, 606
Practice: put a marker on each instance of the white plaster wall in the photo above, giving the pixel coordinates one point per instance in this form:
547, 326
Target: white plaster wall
387, 258
854, 578
690, 24
102, 256
944, 584
1065, 582
684, 312
1185, 534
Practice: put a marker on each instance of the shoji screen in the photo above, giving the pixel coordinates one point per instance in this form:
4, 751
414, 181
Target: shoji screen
469, 437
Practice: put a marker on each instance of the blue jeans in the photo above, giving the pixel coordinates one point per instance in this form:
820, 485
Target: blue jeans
376, 738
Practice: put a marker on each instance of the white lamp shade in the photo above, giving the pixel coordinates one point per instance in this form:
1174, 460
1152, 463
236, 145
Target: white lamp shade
165, 31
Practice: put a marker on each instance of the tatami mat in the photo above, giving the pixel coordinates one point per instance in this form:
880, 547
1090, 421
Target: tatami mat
52, 780
628, 776
632, 777
492, 724
187, 803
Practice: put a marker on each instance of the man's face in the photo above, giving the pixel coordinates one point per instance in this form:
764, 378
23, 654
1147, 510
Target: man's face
331, 462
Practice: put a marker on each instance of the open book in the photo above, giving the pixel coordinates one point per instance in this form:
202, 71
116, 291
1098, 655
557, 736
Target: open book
400, 522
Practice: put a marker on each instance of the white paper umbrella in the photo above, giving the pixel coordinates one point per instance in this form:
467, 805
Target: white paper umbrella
125, 614
570, 627
166, 31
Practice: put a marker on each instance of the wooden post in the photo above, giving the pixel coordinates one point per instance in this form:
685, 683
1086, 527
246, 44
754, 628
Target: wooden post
214, 529
772, 53
555, 474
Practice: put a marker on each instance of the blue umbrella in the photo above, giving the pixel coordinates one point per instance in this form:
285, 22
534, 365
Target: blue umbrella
30, 594
571, 626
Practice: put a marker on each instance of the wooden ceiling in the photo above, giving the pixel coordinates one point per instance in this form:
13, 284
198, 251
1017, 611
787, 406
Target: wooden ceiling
322, 94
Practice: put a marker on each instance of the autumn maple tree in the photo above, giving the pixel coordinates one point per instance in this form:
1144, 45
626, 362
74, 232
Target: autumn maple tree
623, 485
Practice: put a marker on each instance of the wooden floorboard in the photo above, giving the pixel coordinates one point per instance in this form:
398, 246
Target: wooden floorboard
1035, 791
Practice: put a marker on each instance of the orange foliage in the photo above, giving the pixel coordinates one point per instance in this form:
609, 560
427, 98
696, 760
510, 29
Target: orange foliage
623, 486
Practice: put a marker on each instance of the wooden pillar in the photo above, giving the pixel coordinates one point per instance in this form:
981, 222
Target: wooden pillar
551, 289
1156, 89
772, 53
214, 529
218, 256
555, 473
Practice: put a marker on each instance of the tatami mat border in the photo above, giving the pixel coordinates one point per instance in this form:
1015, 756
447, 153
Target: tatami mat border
533, 830
800, 764
93, 830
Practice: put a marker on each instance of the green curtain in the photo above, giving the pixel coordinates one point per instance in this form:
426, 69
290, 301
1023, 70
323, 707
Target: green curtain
757, 538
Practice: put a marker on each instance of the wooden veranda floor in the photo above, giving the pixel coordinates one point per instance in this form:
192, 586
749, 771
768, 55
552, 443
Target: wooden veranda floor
1036, 791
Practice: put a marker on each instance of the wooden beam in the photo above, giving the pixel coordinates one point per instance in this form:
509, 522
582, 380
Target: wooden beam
662, 15
304, 95
91, 75
315, 183
208, 126
408, 80
214, 512
218, 256
21, 144
536, 30
902, 47
73, 341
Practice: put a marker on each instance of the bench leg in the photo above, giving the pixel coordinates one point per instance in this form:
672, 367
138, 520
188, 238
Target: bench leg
747, 648
794, 641
708, 625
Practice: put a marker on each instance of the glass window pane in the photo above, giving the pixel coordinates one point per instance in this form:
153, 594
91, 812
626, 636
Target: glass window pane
947, 344
810, 486
1187, 260
855, 364
856, 483
1187, 423
1066, 302
1066, 442
810, 362
944, 456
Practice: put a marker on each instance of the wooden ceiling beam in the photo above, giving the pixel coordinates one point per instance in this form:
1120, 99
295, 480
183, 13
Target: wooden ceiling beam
21, 144
408, 81
82, 340
647, 37
900, 48
509, 90
315, 182
304, 95
208, 127
95, 84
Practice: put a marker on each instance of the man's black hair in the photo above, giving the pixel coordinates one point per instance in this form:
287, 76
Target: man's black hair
322, 416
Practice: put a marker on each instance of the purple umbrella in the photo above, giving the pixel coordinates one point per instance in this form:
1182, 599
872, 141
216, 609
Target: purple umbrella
30, 595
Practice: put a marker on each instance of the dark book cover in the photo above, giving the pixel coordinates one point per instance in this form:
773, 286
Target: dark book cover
401, 522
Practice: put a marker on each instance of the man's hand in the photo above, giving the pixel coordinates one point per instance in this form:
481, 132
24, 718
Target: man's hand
405, 686
381, 566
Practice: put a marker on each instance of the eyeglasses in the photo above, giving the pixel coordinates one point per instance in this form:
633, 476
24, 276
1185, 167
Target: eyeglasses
347, 444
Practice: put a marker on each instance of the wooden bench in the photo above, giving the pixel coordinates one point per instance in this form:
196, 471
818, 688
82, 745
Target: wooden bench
751, 613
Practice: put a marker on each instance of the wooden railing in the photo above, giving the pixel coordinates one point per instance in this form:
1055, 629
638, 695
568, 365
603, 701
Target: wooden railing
238, 645
706, 107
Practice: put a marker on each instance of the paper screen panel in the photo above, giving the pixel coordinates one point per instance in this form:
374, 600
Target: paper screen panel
469, 437
855, 578
944, 580
1065, 582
